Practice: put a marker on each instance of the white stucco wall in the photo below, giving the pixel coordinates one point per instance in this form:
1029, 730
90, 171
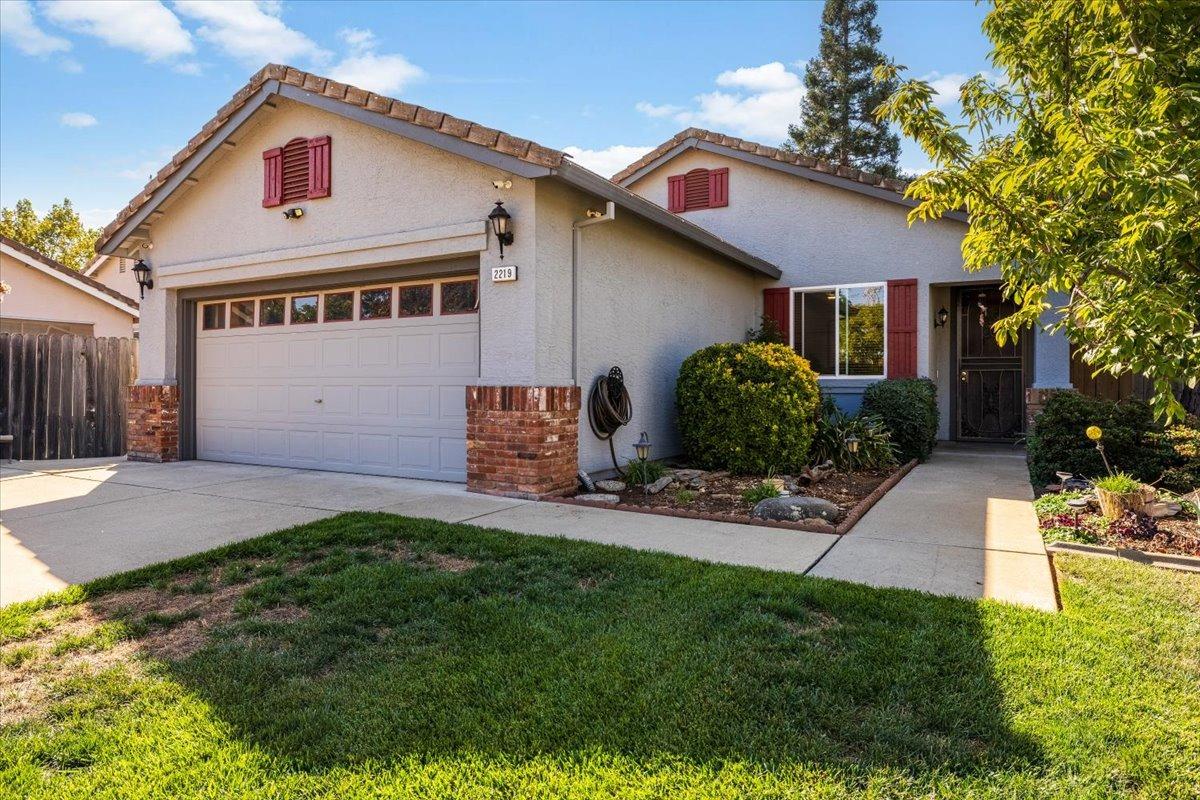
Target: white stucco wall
648, 300
818, 235
37, 296
393, 201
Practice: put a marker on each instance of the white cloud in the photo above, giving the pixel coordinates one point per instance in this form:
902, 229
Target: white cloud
77, 119
97, 217
609, 160
383, 73
18, 26
773, 77
946, 86
189, 68
760, 105
70, 65
252, 32
143, 26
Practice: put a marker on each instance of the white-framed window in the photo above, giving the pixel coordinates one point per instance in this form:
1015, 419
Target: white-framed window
841, 329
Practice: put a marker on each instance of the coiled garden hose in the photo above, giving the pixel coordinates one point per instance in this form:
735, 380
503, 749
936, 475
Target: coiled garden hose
609, 409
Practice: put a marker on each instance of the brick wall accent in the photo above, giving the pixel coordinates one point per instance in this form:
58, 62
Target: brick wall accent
153, 423
522, 441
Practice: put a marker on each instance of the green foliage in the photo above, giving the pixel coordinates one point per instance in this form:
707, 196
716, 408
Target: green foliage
642, 473
1081, 182
684, 496
1055, 503
760, 491
59, 235
834, 427
1121, 483
1132, 439
907, 408
836, 114
1184, 441
768, 332
748, 408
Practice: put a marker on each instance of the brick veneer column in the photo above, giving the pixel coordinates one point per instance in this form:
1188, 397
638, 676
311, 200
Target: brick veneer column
522, 441
153, 423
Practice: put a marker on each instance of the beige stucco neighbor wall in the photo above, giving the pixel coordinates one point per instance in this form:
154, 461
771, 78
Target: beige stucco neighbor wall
819, 235
110, 275
394, 201
648, 300
36, 296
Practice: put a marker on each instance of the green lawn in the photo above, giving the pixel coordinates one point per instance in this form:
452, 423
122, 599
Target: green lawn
373, 655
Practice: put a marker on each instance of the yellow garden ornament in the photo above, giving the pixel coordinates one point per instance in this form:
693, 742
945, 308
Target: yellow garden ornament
1094, 433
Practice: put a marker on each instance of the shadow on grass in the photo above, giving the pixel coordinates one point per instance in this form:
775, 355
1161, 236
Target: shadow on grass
538, 646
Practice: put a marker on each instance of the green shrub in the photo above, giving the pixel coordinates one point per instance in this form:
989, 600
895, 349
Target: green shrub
643, 473
1184, 441
908, 410
748, 408
834, 427
684, 496
1132, 439
1121, 483
760, 491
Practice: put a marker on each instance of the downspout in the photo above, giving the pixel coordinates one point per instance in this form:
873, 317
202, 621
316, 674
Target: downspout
593, 218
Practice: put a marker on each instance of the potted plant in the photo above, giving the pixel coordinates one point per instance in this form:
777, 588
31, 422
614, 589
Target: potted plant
1119, 493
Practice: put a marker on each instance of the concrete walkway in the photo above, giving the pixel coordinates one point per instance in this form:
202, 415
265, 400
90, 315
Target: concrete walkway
960, 524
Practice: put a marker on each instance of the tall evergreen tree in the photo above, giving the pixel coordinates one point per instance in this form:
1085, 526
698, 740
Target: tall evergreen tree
838, 111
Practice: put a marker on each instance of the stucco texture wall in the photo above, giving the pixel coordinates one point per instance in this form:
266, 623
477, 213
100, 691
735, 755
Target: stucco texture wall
36, 296
110, 275
819, 235
648, 300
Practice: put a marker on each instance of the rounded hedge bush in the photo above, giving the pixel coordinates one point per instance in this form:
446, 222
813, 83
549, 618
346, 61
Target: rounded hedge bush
749, 408
908, 408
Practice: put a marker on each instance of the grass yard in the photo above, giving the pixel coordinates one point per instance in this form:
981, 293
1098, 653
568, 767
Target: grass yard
373, 655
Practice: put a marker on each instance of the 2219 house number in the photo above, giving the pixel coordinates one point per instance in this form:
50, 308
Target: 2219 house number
504, 274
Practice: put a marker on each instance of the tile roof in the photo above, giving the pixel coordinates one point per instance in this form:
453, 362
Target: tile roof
67, 271
774, 153
501, 142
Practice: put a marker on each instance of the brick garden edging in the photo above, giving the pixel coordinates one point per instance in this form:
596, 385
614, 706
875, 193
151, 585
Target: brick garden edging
1162, 560
809, 526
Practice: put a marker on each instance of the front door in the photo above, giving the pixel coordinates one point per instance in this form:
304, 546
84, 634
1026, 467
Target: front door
991, 378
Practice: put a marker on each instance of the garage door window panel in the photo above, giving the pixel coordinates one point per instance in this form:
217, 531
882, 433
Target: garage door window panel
304, 309
270, 311
339, 307
416, 301
241, 314
214, 316
375, 304
460, 297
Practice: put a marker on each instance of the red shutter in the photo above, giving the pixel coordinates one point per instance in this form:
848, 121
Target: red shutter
718, 187
902, 328
272, 177
777, 306
695, 189
676, 197
319, 175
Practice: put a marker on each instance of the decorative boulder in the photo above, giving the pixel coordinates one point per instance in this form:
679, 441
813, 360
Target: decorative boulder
610, 486
660, 484
599, 498
794, 509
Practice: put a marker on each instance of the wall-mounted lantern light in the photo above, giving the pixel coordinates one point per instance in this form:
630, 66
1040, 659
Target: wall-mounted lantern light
943, 316
501, 226
293, 213
141, 271
642, 448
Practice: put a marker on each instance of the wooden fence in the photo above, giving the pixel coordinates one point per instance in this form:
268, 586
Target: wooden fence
64, 396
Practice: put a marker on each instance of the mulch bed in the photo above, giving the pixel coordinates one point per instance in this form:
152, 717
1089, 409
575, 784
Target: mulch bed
719, 497
1178, 535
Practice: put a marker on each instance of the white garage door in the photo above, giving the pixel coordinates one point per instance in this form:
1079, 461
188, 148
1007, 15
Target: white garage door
369, 379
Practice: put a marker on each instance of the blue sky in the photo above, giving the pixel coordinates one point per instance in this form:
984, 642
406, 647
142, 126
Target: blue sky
95, 96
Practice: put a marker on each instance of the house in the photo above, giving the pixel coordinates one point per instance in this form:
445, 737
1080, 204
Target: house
115, 272
48, 297
349, 282
862, 294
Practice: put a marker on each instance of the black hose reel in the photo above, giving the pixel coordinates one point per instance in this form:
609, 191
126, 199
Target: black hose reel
609, 409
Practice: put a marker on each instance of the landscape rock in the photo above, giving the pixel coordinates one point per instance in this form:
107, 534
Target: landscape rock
660, 484
585, 481
610, 486
1161, 509
599, 497
793, 509
697, 483
685, 475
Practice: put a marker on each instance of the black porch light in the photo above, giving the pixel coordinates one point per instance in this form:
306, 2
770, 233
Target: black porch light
642, 448
501, 225
141, 271
943, 316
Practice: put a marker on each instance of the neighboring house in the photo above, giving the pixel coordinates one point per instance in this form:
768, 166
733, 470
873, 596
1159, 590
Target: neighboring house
862, 293
328, 291
114, 272
48, 297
